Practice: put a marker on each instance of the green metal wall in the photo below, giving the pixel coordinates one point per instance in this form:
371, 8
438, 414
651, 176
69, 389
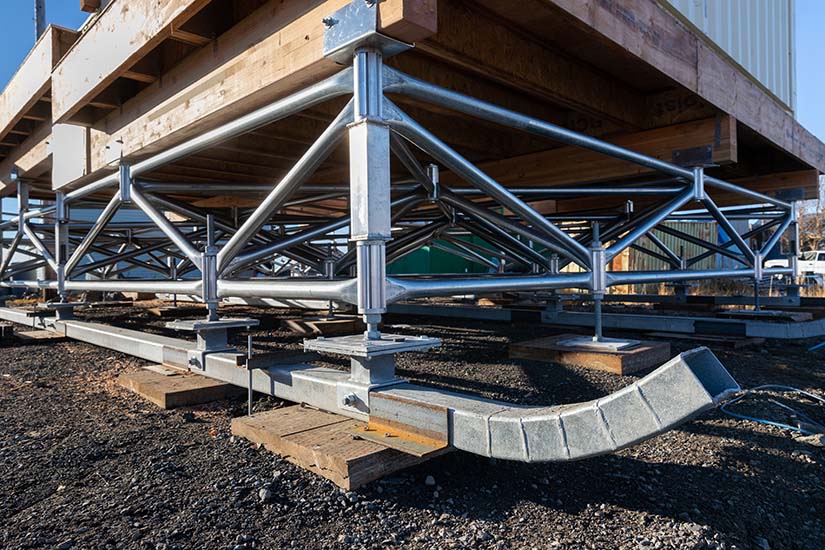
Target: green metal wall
432, 260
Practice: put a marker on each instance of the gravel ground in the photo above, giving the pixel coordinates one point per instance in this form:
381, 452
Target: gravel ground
86, 464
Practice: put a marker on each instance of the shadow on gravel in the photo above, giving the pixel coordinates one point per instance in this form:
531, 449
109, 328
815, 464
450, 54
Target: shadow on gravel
743, 491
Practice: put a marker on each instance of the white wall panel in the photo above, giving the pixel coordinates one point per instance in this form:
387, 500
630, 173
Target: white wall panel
757, 34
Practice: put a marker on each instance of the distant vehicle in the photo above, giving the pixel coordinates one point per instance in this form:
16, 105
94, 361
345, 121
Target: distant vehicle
811, 264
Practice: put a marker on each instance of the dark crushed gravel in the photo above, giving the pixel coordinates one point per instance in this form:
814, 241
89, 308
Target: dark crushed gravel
85, 464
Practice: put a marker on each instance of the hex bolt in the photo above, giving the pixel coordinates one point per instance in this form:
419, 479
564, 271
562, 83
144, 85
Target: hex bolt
350, 399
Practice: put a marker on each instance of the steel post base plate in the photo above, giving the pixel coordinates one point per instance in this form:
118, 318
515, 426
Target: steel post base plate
199, 325
356, 345
605, 344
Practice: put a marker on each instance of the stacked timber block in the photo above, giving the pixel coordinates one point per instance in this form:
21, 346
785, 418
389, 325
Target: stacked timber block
553, 349
170, 388
40, 336
171, 312
324, 444
728, 342
766, 315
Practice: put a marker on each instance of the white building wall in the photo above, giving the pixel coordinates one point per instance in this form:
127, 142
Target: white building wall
757, 34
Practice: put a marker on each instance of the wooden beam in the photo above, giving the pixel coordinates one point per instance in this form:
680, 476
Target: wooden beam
123, 33
475, 40
39, 112
31, 159
570, 165
648, 31
33, 79
769, 184
138, 76
276, 50
89, 6
190, 38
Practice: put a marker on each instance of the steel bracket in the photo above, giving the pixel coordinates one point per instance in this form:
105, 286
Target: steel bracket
356, 26
213, 337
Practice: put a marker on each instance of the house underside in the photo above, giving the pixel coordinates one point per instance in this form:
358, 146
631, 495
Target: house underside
288, 149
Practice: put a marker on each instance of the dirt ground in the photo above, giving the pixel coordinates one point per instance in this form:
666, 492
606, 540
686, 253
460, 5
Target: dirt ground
86, 464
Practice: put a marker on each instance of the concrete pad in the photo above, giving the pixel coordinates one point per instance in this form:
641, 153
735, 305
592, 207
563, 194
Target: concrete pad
324, 444
170, 391
647, 354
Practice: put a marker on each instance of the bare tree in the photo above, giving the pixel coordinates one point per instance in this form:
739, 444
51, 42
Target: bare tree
812, 223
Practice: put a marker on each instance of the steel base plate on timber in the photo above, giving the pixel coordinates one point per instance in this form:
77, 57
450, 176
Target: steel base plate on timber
564, 351
357, 346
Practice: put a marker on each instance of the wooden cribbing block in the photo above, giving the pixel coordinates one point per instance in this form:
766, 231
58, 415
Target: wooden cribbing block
309, 326
323, 444
646, 355
169, 390
767, 315
173, 311
729, 342
40, 336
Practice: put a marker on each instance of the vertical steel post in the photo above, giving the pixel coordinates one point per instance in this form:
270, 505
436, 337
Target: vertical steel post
209, 271
22, 205
369, 148
599, 279
2, 239
757, 278
249, 374
39, 18
793, 288
125, 182
173, 276
61, 242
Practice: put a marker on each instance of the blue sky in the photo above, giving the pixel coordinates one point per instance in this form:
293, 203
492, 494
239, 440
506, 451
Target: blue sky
810, 76
17, 39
